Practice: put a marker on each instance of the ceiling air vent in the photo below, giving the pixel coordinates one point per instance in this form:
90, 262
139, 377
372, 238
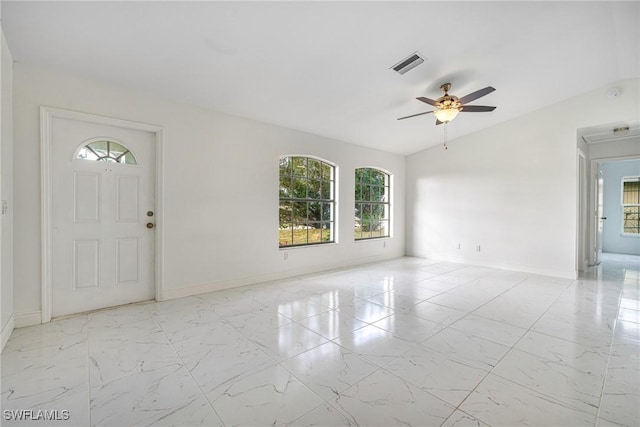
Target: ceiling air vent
408, 63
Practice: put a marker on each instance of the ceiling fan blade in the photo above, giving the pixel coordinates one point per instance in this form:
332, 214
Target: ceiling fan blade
477, 94
476, 108
427, 100
438, 122
414, 115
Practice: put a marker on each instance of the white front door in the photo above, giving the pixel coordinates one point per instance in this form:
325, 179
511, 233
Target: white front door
103, 216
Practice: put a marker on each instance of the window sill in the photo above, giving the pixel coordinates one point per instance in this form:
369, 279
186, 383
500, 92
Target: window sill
317, 245
372, 239
630, 235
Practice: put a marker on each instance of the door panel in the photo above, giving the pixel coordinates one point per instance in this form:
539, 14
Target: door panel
86, 263
127, 259
102, 251
87, 197
127, 199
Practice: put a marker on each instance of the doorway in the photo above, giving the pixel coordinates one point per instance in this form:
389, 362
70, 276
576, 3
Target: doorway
612, 142
620, 193
100, 182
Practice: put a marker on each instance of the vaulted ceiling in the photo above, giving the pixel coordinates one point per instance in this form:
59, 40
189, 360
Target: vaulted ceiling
324, 67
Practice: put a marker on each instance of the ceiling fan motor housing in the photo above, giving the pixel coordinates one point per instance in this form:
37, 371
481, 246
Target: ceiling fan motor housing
448, 101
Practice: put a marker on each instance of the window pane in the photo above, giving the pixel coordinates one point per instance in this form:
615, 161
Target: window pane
299, 233
384, 228
326, 172
285, 235
314, 190
366, 234
299, 211
285, 166
315, 232
299, 188
285, 187
299, 165
326, 211
631, 192
100, 147
315, 211
325, 190
326, 232
129, 159
85, 153
285, 213
366, 193
314, 169
631, 219
376, 194
115, 149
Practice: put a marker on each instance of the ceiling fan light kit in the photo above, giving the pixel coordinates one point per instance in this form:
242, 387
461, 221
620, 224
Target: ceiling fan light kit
445, 115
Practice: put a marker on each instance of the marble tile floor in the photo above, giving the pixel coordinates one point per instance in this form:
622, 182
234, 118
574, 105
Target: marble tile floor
407, 342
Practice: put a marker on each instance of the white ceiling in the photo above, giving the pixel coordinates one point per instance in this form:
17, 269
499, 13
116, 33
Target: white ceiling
323, 67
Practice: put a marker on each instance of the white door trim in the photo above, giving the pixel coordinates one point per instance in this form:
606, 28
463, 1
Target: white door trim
47, 114
592, 223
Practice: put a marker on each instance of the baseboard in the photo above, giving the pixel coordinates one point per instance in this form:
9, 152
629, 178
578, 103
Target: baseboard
29, 318
250, 280
565, 274
7, 329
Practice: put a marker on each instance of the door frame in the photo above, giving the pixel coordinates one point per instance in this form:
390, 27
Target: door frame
582, 189
594, 167
47, 114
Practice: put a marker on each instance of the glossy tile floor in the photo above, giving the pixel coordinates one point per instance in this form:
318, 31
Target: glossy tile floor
409, 342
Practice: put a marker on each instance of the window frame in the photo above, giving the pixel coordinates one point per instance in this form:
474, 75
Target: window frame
326, 219
624, 205
387, 204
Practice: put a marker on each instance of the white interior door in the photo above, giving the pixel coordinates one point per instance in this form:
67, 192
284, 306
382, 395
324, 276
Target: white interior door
103, 201
599, 218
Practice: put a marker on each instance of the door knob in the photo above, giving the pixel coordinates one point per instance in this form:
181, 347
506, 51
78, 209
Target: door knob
603, 217
150, 225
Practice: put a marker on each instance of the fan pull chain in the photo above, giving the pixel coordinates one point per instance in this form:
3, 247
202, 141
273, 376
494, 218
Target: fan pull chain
445, 136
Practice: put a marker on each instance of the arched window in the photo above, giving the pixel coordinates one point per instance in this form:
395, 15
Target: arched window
307, 188
107, 151
372, 210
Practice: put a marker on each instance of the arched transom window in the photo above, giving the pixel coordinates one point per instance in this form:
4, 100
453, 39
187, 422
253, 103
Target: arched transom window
107, 151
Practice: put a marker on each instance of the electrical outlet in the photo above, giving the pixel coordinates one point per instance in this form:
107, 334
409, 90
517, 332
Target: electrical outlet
459, 246
478, 248
384, 243
286, 256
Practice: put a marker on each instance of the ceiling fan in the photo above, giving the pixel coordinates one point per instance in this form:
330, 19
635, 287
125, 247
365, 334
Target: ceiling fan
448, 106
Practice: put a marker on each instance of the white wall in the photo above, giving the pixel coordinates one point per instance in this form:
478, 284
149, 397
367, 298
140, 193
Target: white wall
220, 189
510, 189
6, 191
613, 239
615, 148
